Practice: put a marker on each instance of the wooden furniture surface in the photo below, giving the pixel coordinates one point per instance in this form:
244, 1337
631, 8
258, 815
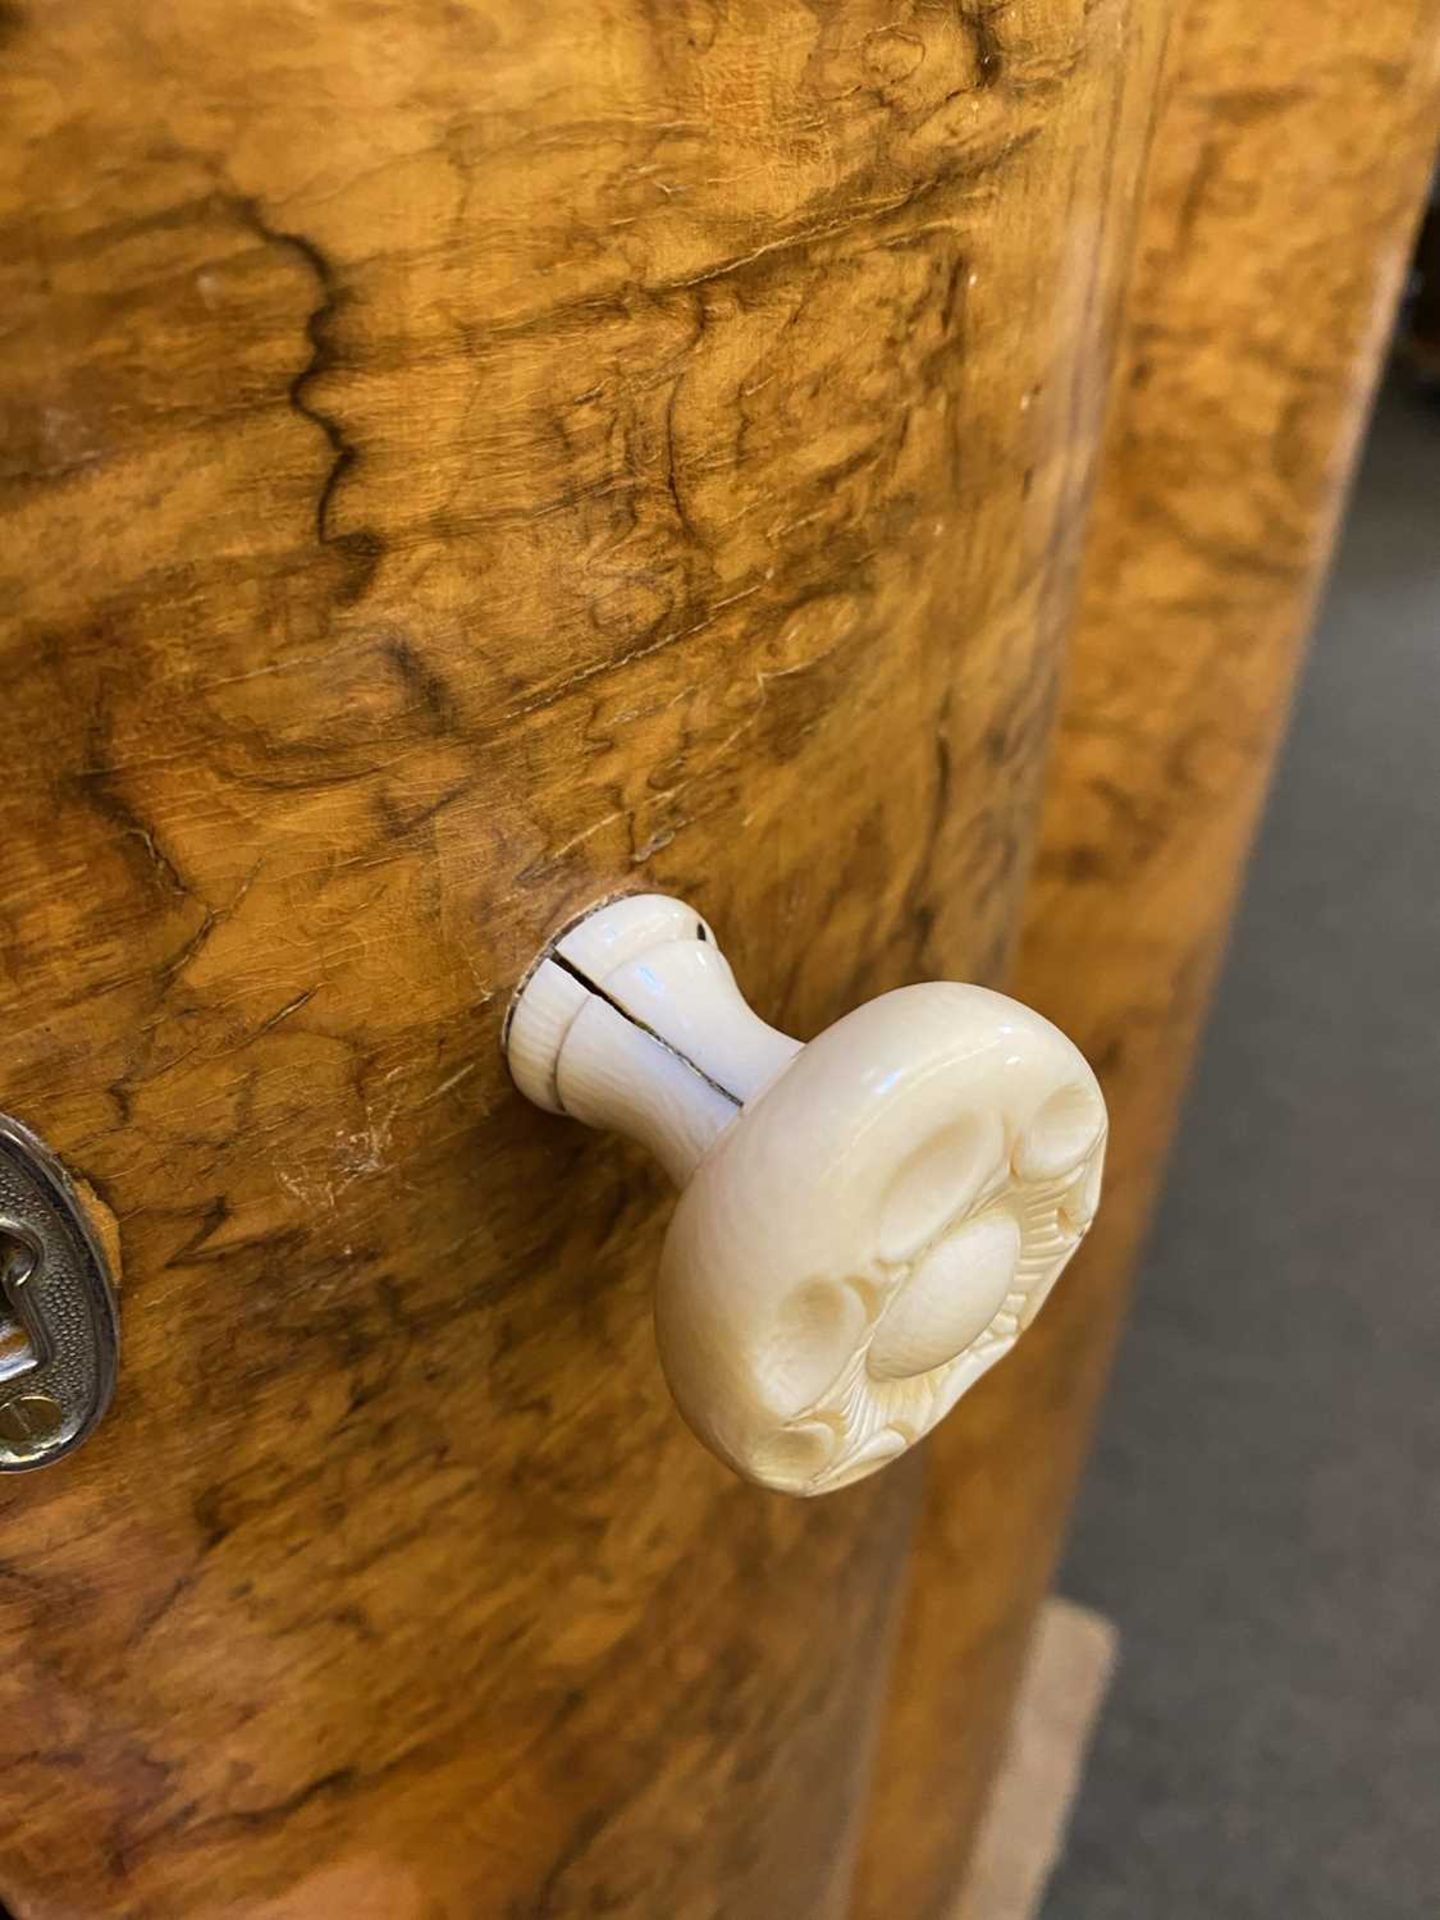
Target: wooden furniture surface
1292, 148
457, 461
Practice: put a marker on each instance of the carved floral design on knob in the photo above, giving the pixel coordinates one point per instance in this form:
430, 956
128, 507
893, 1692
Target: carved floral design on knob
867, 1223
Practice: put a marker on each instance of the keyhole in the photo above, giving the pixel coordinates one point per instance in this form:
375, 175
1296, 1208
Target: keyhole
19, 1257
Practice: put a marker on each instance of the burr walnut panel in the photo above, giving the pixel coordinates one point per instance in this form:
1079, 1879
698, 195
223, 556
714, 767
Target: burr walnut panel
457, 461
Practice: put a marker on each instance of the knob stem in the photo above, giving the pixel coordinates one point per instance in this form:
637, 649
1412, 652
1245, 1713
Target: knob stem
632, 1022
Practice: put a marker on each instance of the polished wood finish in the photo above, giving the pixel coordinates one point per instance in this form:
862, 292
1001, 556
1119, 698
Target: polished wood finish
1287, 172
457, 462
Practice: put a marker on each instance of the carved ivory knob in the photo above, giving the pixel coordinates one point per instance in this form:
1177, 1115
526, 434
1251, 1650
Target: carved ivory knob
866, 1223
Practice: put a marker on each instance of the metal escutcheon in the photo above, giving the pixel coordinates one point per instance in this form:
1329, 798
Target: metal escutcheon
59, 1334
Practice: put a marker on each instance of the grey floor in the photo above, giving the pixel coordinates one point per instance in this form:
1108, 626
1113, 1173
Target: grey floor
1262, 1515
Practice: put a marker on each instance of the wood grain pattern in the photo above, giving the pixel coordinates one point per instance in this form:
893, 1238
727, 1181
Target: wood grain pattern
1290, 158
457, 461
